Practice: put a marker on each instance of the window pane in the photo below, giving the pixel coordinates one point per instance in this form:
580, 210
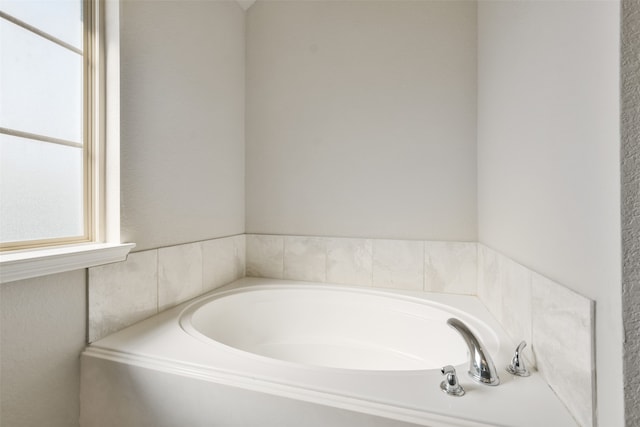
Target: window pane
59, 18
41, 85
41, 190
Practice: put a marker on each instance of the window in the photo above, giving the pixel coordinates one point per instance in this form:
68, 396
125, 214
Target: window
59, 74
48, 122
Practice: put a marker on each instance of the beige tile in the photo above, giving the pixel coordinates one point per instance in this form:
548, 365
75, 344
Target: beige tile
305, 258
489, 280
179, 274
223, 261
265, 256
122, 293
398, 264
562, 329
515, 313
349, 261
240, 244
450, 267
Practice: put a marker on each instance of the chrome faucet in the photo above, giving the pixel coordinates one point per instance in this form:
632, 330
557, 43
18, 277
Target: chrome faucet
451, 386
517, 366
481, 367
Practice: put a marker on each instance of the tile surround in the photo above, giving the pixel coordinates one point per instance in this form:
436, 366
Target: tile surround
562, 326
515, 289
450, 267
556, 323
123, 293
507, 288
504, 286
223, 261
179, 274
489, 278
265, 256
398, 264
350, 261
305, 258
529, 306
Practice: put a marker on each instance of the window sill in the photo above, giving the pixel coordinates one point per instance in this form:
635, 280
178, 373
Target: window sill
28, 264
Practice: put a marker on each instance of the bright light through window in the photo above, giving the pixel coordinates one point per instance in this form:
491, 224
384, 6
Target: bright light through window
45, 132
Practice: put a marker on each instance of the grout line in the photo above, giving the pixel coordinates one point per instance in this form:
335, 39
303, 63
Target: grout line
157, 280
201, 246
326, 257
87, 307
373, 257
284, 247
424, 266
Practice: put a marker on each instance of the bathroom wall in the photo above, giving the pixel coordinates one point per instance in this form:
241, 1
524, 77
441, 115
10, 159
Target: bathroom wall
182, 171
361, 119
182, 121
42, 332
548, 156
545, 65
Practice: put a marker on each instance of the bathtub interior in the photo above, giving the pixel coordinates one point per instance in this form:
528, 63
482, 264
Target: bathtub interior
334, 328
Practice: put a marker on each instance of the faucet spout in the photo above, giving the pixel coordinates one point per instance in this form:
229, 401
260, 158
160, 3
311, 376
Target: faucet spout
481, 367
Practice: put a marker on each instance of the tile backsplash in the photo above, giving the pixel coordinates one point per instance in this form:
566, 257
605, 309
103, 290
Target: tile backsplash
562, 335
350, 261
451, 267
557, 323
401, 264
223, 261
123, 293
179, 274
398, 264
305, 258
265, 256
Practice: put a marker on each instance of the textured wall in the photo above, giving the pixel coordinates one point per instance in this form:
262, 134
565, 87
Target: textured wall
182, 121
361, 119
549, 157
43, 331
630, 132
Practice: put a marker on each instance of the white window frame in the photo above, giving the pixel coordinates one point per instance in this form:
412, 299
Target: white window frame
103, 244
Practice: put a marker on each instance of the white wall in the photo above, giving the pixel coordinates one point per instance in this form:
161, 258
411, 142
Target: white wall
182, 121
42, 331
361, 119
548, 156
331, 90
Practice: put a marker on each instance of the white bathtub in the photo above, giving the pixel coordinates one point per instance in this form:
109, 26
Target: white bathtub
277, 353
333, 326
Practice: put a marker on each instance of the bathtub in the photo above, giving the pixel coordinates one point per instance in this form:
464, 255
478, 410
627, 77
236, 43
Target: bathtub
265, 352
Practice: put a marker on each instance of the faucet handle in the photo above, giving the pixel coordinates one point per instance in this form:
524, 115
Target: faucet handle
450, 385
517, 366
